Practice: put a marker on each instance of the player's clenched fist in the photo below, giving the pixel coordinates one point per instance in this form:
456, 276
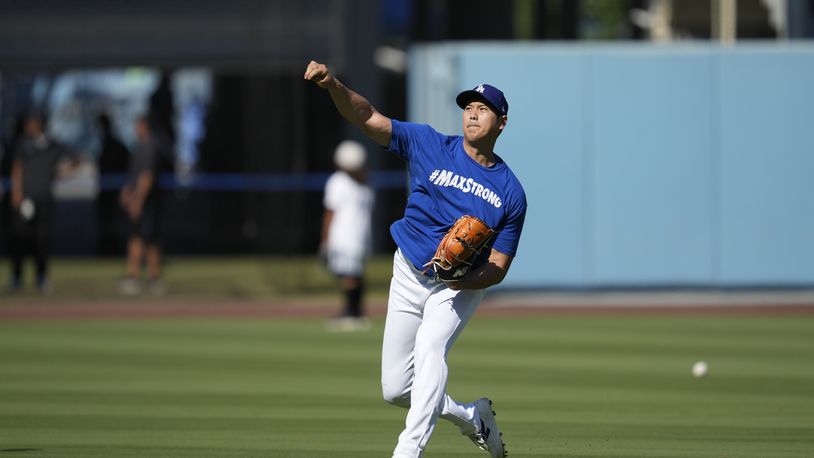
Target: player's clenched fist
319, 74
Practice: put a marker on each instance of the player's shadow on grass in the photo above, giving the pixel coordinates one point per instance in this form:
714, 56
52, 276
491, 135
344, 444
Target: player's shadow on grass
18, 450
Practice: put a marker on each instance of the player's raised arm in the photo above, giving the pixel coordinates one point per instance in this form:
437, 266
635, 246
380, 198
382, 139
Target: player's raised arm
352, 106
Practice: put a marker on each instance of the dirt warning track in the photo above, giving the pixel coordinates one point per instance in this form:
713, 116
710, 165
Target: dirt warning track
493, 305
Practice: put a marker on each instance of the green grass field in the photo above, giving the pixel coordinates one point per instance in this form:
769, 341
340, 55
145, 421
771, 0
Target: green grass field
233, 278
615, 386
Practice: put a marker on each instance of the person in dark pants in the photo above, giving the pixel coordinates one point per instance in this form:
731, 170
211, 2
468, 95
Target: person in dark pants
113, 159
140, 198
33, 172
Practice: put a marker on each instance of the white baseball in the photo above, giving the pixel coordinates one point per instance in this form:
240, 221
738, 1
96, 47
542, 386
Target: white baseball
699, 369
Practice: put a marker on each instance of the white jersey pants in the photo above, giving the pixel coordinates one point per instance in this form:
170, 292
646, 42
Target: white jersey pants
424, 318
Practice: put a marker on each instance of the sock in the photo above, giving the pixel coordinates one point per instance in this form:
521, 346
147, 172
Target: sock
353, 301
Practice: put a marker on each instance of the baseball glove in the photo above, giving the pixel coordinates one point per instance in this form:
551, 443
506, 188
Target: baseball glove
459, 247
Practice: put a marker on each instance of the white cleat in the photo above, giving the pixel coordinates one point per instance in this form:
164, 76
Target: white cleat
348, 324
488, 437
130, 287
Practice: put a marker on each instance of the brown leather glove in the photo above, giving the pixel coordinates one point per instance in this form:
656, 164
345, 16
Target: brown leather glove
459, 247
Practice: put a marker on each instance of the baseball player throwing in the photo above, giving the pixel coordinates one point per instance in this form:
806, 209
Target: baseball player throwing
452, 178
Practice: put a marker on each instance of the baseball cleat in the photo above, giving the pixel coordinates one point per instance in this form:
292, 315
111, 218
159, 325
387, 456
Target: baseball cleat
488, 437
348, 324
130, 287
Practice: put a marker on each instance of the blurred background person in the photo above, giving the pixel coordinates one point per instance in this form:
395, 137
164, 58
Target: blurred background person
346, 232
161, 118
33, 171
113, 160
13, 130
141, 200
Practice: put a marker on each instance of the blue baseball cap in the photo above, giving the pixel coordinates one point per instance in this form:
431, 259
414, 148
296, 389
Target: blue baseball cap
488, 94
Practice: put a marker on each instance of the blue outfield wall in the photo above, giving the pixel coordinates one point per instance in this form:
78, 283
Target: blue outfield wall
646, 166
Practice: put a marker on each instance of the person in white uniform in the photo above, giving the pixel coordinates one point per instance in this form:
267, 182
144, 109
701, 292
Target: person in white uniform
346, 233
450, 176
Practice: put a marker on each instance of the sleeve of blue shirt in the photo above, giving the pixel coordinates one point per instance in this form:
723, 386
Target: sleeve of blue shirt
406, 137
508, 238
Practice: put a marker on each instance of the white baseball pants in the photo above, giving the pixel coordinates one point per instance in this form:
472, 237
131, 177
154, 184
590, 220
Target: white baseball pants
424, 318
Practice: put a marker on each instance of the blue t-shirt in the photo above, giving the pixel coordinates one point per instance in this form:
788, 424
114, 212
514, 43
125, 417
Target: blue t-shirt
445, 184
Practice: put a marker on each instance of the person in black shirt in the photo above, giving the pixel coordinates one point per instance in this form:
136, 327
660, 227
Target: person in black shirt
140, 198
33, 172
